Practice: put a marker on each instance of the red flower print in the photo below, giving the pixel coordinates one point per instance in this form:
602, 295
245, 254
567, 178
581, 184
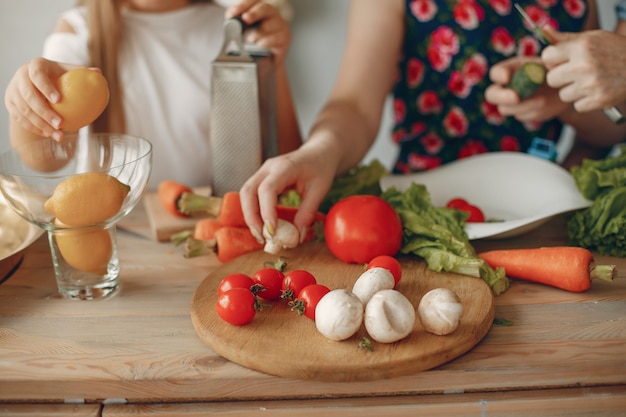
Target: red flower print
415, 72
475, 69
423, 10
458, 85
502, 41
432, 143
502, 7
399, 110
509, 143
417, 128
468, 14
472, 147
576, 8
428, 103
528, 46
492, 115
532, 126
537, 15
422, 163
403, 168
399, 136
439, 60
455, 122
444, 39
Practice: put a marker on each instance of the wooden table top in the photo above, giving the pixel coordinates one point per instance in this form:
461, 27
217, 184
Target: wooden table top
138, 354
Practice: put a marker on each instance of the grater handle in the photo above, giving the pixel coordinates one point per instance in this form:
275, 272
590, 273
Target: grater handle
233, 38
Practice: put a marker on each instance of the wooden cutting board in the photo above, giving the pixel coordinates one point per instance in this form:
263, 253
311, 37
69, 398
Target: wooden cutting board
163, 224
280, 342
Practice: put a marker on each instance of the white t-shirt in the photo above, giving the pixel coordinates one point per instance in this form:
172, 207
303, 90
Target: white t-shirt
165, 69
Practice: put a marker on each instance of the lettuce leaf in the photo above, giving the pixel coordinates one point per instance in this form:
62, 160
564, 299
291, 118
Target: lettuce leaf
601, 227
438, 236
596, 176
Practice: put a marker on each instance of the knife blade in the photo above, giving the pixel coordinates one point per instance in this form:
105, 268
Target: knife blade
613, 113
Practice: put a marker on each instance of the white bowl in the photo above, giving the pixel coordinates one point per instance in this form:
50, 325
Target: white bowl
522, 190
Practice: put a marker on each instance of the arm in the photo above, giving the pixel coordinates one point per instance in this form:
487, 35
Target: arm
346, 126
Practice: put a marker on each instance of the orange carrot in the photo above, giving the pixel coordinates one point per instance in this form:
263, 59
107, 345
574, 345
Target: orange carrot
565, 267
170, 193
205, 228
231, 213
232, 242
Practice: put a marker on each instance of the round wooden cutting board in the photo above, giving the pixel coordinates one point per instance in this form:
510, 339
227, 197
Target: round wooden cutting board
280, 342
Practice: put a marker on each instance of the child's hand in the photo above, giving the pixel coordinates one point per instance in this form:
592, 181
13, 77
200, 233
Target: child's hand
271, 31
543, 105
29, 93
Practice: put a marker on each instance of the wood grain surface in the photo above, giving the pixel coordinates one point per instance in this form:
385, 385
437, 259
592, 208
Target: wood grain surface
282, 343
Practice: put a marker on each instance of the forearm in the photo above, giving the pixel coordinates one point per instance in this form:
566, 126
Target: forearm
594, 128
345, 133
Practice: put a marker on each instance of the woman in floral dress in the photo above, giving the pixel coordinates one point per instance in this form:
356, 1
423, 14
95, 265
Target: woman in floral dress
435, 57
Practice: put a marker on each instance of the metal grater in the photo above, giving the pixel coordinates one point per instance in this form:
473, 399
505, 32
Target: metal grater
243, 114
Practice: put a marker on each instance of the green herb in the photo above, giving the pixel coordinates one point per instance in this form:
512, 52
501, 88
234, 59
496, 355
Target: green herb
502, 322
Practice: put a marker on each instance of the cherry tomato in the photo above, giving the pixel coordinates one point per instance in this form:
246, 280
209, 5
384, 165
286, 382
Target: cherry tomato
294, 282
272, 280
475, 214
234, 280
389, 263
237, 306
360, 227
308, 298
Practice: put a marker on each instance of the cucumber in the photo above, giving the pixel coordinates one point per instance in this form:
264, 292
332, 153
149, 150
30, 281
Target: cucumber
527, 79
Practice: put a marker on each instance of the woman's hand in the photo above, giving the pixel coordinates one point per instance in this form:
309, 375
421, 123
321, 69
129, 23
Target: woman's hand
29, 94
543, 105
308, 170
271, 30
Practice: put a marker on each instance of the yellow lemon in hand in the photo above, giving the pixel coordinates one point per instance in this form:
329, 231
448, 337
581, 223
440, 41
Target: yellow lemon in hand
84, 96
87, 250
87, 199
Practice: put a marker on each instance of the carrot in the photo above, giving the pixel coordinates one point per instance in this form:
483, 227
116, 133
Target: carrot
235, 241
205, 228
170, 193
565, 267
228, 243
231, 213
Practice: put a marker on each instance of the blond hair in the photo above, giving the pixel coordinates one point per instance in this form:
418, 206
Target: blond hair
104, 20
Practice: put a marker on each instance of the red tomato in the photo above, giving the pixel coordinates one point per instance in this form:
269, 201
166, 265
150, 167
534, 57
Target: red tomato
389, 263
294, 282
236, 306
308, 298
234, 280
475, 214
360, 227
272, 280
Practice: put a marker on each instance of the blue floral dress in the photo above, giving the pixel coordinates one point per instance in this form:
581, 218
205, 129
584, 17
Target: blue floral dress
439, 107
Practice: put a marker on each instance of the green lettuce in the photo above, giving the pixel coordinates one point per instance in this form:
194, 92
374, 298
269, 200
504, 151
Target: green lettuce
596, 176
601, 227
438, 236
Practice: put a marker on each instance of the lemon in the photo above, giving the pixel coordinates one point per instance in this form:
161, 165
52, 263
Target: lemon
87, 250
84, 96
87, 199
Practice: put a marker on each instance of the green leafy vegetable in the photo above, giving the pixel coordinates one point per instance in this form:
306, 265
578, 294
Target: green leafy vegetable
601, 227
436, 235
593, 177
364, 179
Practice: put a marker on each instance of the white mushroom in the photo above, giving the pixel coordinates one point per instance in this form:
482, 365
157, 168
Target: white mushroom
371, 281
285, 236
339, 314
389, 316
440, 311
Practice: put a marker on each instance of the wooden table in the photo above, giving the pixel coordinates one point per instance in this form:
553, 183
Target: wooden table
137, 353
